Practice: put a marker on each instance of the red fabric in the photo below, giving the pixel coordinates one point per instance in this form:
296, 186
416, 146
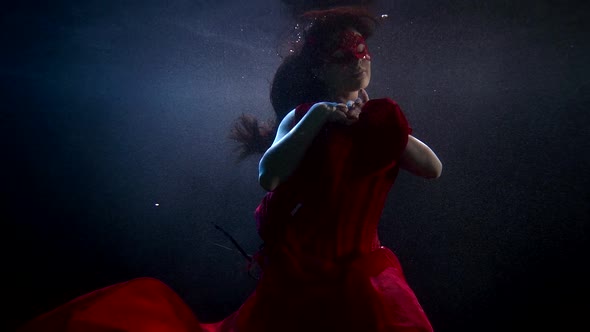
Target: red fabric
323, 266
322, 258
143, 304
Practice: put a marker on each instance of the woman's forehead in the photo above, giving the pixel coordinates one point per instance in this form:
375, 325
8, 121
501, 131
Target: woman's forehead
343, 37
354, 31
343, 34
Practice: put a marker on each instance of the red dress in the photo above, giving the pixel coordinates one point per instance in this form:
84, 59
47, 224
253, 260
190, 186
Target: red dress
323, 266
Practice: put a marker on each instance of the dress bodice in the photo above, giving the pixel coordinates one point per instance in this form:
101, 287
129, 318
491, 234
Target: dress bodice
329, 209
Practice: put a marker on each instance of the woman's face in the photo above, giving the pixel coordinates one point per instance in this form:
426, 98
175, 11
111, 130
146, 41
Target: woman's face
347, 65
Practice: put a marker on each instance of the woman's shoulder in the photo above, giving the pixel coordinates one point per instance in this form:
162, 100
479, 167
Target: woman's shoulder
302, 109
383, 102
383, 109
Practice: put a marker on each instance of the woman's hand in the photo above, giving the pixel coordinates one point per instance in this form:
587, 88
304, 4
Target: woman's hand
336, 112
345, 113
355, 107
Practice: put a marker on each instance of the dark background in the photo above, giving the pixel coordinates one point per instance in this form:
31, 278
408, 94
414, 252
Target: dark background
111, 107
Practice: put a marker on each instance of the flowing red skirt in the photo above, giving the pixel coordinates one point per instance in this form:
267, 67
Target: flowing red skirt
373, 296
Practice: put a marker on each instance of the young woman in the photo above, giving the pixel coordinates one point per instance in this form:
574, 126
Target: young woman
335, 156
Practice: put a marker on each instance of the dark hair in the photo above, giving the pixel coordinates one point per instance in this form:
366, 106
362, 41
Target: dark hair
294, 82
298, 7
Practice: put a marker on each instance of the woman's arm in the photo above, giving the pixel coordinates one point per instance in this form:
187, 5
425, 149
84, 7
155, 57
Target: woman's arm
420, 160
291, 143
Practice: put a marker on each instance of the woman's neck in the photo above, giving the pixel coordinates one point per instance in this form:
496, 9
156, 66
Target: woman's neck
344, 97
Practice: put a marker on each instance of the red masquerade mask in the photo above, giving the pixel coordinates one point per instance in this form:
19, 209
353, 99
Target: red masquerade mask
352, 46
